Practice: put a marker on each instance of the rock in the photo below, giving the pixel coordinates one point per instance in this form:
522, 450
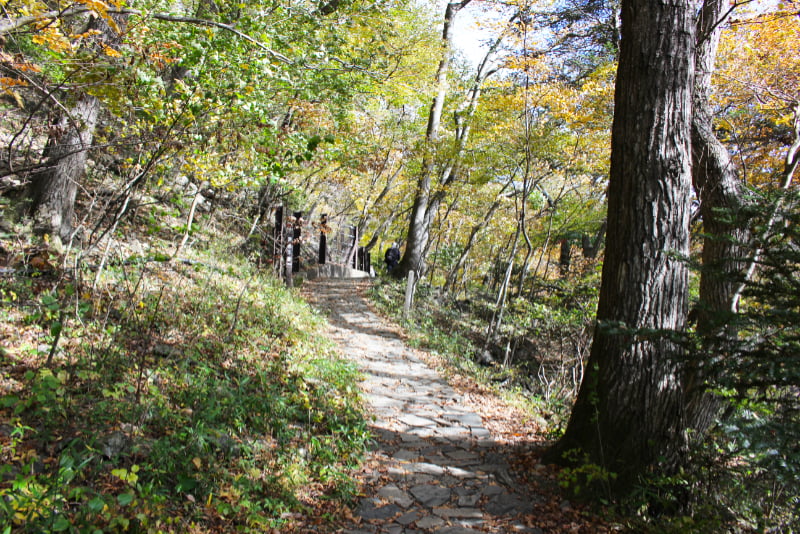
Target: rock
369, 509
470, 500
396, 495
113, 444
226, 444
485, 357
430, 522
458, 530
431, 495
458, 513
409, 517
425, 468
506, 504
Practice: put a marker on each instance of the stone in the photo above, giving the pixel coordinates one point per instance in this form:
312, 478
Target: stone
480, 433
453, 433
409, 517
463, 455
506, 504
113, 444
461, 473
431, 495
458, 513
425, 468
406, 454
469, 500
466, 419
430, 521
457, 530
369, 510
492, 489
394, 494
396, 472
422, 432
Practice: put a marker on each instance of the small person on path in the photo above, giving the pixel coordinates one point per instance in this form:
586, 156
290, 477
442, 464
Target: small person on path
392, 257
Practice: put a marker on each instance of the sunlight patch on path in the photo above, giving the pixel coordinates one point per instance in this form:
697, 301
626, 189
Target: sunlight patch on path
434, 467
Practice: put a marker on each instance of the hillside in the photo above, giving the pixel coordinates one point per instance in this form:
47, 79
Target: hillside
143, 393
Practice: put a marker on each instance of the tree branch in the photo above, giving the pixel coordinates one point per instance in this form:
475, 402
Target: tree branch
20, 22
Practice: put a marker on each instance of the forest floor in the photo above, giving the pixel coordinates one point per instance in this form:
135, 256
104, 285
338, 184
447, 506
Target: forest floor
448, 456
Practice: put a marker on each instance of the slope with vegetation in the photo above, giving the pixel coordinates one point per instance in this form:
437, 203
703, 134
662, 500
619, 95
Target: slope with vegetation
185, 395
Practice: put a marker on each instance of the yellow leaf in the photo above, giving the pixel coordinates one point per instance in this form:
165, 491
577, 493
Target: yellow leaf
111, 52
198, 463
11, 82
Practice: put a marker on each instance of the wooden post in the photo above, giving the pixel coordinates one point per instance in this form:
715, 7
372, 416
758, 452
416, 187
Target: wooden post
352, 256
277, 242
409, 295
323, 239
296, 232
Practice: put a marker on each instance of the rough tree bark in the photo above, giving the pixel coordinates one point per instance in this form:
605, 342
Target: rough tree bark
629, 417
53, 189
720, 191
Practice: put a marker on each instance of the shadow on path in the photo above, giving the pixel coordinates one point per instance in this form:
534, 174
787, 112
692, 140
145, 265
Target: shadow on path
434, 466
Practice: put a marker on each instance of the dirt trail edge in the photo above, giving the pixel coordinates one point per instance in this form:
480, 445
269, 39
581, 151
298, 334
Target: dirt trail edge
434, 467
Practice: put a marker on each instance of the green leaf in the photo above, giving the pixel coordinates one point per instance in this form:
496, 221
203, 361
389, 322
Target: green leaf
55, 328
124, 499
185, 484
61, 524
96, 505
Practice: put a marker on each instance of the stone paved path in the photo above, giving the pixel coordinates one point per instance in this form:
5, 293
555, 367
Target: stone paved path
434, 467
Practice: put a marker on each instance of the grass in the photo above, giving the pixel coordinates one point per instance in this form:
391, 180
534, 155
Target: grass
169, 398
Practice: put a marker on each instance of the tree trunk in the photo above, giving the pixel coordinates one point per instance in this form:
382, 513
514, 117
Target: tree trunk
564, 257
720, 191
53, 190
629, 416
419, 222
450, 283
500, 305
716, 183
590, 249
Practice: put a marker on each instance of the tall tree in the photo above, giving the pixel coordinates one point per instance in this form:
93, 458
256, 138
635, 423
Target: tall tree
53, 188
421, 216
629, 415
719, 188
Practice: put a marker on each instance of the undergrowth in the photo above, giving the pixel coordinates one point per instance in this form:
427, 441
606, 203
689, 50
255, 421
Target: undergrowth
172, 397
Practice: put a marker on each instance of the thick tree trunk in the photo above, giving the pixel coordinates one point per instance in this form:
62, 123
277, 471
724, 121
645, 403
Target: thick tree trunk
53, 190
629, 416
717, 184
720, 191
